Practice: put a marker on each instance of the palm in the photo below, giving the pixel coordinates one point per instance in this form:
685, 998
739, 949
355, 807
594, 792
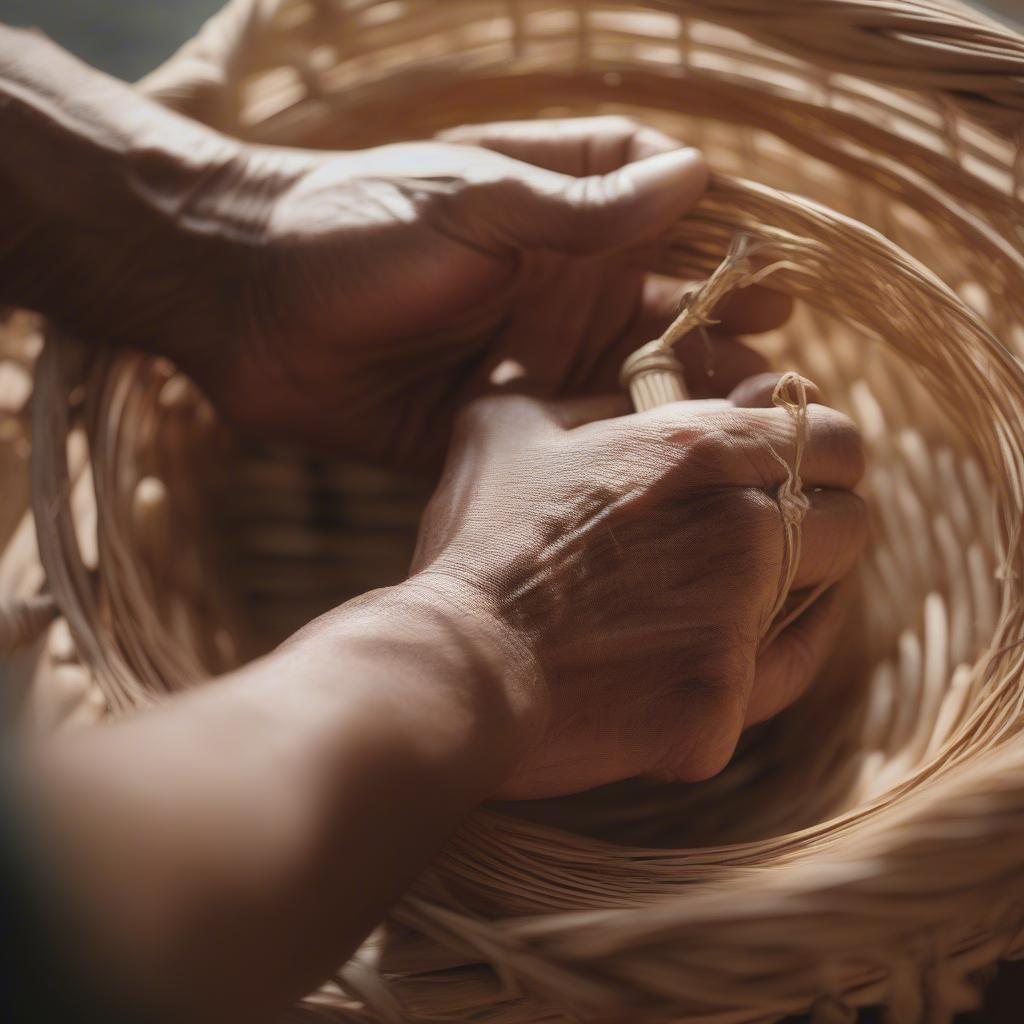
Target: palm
404, 281
548, 325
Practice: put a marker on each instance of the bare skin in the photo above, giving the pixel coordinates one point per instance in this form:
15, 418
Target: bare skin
589, 589
349, 300
639, 557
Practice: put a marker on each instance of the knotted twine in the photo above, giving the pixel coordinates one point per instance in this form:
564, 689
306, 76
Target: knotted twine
654, 376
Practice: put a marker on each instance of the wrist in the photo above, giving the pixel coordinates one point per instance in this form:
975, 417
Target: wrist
436, 649
501, 655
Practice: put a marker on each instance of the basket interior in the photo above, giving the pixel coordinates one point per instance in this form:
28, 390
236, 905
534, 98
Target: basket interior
251, 543
858, 844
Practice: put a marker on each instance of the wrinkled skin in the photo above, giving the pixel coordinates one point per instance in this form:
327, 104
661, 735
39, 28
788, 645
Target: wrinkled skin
589, 594
354, 301
637, 558
391, 286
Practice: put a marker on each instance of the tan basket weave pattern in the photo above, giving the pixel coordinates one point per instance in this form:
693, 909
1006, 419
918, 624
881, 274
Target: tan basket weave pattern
866, 847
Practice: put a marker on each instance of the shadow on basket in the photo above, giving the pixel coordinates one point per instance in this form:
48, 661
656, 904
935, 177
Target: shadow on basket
861, 848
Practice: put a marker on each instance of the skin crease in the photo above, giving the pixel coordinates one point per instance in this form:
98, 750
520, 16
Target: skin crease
356, 301
589, 588
639, 556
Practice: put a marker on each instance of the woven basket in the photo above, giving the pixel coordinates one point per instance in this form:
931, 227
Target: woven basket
863, 848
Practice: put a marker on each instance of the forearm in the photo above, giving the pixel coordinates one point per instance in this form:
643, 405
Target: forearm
97, 185
233, 848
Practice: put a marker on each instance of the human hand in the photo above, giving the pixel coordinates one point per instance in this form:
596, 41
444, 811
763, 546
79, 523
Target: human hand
379, 291
349, 300
638, 558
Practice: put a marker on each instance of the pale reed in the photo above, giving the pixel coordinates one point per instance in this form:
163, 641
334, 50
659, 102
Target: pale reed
867, 846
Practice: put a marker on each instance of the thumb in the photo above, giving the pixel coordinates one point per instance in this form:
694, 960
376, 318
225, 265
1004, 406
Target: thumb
631, 205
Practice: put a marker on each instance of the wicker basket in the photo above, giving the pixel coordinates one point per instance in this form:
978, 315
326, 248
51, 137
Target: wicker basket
863, 848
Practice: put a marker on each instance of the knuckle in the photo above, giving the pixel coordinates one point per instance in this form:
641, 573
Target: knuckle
714, 700
709, 453
710, 760
751, 516
721, 729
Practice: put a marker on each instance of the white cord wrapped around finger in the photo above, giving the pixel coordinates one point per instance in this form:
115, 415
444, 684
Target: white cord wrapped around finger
654, 376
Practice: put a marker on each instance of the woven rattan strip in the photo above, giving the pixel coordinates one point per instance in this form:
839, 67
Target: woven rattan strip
864, 848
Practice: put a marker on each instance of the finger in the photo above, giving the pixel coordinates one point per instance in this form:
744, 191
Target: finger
756, 391
757, 447
754, 310
832, 537
713, 362
536, 209
577, 146
788, 666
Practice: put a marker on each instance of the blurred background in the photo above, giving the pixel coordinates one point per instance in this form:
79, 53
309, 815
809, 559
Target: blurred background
125, 37
130, 37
